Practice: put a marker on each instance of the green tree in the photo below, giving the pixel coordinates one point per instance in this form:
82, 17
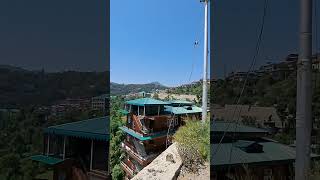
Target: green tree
117, 136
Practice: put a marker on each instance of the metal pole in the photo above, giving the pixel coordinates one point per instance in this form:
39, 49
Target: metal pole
48, 145
64, 147
91, 155
304, 94
205, 64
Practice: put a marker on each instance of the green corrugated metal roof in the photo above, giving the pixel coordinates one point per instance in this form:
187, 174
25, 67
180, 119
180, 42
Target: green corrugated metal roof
232, 127
146, 101
272, 151
243, 143
124, 112
144, 138
46, 159
96, 128
181, 102
183, 110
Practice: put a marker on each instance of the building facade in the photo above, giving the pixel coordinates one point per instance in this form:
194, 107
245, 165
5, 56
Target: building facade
149, 126
100, 103
77, 149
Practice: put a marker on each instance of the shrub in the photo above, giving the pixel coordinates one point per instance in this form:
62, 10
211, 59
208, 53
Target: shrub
117, 172
193, 142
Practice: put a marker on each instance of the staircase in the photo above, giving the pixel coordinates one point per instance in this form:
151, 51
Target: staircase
139, 148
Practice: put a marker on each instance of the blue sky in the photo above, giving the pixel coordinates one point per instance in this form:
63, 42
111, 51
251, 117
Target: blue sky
54, 35
154, 41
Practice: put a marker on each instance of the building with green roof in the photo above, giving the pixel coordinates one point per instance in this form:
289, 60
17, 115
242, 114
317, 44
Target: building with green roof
245, 152
83, 145
183, 110
230, 130
178, 103
150, 124
146, 101
148, 132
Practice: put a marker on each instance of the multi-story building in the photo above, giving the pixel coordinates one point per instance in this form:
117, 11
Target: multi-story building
100, 102
150, 124
241, 76
263, 117
141, 94
278, 70
69, 104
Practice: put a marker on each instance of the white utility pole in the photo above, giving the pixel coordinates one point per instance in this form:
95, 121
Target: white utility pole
205, 63
304, 94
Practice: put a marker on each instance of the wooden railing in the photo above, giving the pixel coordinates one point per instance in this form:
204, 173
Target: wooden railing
142, 160
127, 169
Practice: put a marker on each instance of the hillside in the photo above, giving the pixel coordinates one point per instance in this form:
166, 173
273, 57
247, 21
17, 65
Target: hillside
19, 87
122, 89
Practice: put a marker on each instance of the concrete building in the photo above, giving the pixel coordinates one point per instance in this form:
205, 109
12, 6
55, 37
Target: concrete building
262, 117
100, 102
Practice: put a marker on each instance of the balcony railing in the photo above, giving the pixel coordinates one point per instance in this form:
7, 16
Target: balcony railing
142, 160
127, 169
146, 137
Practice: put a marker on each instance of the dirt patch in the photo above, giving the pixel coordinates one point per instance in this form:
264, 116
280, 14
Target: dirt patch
202, 174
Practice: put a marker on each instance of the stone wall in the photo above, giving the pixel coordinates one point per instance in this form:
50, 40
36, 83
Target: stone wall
165, 167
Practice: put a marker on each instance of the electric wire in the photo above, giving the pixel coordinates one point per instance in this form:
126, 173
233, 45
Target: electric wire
189, 80
253, 62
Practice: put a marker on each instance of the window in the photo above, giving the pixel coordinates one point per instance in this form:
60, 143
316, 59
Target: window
176, 121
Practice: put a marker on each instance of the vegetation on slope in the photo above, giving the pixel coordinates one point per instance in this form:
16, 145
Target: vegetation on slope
25, 88
194, 144
117, 136
123, 89
22, 136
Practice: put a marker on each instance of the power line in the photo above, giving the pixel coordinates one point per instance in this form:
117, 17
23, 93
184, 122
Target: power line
258, 45
253, 62
196, 43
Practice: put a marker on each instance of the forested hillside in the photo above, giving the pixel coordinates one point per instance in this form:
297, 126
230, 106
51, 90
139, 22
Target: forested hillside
19, 87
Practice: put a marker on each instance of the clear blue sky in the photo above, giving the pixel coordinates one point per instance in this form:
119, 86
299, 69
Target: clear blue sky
55, 35
154, 41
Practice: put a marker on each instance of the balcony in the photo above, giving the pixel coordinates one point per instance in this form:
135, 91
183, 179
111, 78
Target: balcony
127, 169
146, 137
140, 159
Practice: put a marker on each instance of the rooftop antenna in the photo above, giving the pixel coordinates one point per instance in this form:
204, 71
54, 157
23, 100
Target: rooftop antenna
304, 94
205, 63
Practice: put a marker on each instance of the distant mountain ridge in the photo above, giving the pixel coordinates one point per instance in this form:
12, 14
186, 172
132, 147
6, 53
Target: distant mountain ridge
122, 89
12, 68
